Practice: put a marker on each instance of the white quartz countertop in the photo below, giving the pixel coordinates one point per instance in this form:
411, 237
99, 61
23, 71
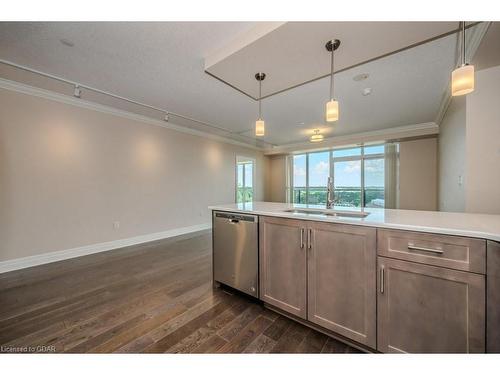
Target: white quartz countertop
454, 223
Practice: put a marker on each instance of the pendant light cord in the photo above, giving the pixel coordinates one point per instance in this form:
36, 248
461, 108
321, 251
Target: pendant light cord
260, 98
463, 43
331, 77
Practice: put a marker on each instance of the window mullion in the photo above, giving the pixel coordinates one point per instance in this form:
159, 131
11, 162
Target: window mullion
307, 179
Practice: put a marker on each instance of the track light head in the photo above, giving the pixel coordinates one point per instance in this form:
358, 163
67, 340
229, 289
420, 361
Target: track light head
77, 93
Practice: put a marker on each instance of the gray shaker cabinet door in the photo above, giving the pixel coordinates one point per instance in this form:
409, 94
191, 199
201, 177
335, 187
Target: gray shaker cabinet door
427, 309
342, 280
283, 264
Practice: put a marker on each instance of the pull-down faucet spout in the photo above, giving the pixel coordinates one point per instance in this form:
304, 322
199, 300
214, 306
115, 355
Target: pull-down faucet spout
330, 195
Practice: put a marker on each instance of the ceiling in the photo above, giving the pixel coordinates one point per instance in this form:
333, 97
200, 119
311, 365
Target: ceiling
294, 52
162, 64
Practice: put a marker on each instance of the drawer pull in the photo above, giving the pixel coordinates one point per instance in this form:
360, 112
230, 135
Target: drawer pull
302, 238
427, 249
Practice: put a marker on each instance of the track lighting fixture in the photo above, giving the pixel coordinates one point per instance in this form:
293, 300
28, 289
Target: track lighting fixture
77, 93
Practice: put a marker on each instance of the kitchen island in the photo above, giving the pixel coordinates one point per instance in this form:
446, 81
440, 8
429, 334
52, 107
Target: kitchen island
385, 280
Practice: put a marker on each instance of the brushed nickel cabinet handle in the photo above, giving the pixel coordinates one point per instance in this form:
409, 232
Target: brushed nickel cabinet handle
301, 238
309, 238
382, 279
411, 246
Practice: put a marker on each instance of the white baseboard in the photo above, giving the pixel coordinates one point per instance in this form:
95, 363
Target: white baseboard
55, 256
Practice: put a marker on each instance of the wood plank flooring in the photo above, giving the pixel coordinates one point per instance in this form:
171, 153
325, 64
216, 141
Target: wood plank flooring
152, 298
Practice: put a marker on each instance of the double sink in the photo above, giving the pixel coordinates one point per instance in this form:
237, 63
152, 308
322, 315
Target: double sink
319, 212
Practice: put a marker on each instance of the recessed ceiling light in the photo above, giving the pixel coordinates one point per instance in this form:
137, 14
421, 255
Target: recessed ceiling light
367, 91
302, 123
360, 77
67, 43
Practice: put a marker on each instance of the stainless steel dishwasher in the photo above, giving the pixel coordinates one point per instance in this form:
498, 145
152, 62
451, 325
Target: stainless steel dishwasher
236, 251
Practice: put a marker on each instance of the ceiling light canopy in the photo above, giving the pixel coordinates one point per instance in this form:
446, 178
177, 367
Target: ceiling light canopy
260, 130
462, 78
332, 107
316, 137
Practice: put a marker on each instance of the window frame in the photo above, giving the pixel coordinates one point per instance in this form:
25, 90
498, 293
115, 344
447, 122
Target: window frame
332, 160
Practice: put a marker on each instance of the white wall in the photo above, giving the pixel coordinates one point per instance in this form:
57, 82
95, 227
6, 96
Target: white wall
483, 143
418, 174
67, 173
452, 157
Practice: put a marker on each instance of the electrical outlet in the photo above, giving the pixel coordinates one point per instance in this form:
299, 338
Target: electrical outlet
116, 225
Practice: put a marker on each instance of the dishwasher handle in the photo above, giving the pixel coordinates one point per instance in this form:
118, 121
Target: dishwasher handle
235, 218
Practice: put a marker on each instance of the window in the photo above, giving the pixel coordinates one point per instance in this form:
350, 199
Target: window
347, 182
319, 170
299, 178
358, 175
244, 179
374, 183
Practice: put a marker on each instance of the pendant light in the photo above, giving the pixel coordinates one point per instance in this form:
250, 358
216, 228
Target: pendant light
316, 137
332, 107
259, 124
462, 78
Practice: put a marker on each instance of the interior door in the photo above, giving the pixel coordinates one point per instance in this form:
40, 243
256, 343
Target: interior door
428, 309
342, 280
283, 264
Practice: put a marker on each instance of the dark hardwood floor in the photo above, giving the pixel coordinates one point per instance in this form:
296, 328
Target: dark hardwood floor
153, 298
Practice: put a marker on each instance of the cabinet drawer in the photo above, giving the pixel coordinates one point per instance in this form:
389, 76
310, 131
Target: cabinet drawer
460, 253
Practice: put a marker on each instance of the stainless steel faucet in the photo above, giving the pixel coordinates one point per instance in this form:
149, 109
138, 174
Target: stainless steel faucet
330, 195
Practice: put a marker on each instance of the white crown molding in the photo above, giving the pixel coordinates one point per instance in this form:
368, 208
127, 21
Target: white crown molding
56, 256
61, 98
400, 132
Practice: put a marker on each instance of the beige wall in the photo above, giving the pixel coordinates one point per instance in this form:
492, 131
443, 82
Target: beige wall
67, 173
277, 179
452, 157
483, 144
418, 174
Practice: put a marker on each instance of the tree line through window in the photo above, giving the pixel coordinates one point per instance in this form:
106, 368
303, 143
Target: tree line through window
358, 174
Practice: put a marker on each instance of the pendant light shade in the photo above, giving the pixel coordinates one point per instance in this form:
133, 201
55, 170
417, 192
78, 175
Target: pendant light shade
316, 137
332, 107
462, 78
332, 111
260, 128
